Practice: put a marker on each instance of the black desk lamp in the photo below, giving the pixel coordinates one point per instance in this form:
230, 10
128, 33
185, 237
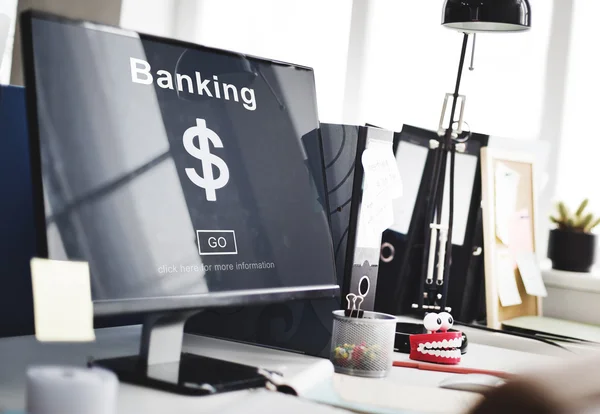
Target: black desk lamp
468, 17
487, 15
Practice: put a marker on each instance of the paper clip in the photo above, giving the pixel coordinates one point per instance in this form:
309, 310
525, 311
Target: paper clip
353, 310
275, 382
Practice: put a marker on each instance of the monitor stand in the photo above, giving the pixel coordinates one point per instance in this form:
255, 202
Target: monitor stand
162, 365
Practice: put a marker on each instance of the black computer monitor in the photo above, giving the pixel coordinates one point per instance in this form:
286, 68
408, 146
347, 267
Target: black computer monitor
187, 177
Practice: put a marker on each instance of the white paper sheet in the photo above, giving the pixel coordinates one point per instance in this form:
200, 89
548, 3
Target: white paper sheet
531, 274
388, 396
264, 402
382, 184
62, 301
410, 160
508, 290
380, 170
506, 187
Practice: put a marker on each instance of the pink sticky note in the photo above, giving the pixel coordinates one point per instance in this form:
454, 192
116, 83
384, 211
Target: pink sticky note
521, 233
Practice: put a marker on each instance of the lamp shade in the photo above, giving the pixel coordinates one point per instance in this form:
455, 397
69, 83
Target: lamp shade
487, 15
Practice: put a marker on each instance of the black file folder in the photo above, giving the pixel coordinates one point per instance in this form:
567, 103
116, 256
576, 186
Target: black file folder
401, 285
357, 265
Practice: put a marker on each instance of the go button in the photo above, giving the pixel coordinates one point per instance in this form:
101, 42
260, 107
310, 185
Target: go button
216, 242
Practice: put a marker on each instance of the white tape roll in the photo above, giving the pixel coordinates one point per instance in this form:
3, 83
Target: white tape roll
71, 390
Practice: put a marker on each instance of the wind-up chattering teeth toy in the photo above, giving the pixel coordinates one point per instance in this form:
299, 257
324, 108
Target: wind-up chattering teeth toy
437, 345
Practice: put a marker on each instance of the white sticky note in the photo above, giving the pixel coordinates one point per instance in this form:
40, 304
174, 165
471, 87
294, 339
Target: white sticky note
508, 291
62, 301
381, 184
506, 186
531, 274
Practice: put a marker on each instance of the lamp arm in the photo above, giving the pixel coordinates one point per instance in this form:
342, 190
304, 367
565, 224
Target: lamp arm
457, 87
435, 201
449, 148
433, 211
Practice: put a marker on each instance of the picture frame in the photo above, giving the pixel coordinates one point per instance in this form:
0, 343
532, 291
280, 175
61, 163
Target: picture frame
509, 222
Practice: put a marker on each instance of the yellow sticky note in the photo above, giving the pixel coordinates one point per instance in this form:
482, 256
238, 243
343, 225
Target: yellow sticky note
62, 301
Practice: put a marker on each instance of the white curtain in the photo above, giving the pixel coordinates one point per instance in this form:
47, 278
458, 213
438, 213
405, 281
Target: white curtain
411, 61
578, 162
8, 12
312, 33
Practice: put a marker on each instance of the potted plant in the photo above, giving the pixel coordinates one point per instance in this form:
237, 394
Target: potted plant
572, 246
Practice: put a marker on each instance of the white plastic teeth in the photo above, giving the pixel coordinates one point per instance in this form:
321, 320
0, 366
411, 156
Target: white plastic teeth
453, 343
455, 353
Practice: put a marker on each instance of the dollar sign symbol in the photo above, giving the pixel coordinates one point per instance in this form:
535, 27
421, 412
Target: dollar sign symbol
202, 152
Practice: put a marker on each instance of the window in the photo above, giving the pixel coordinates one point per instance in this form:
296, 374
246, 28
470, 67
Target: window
311, 33
411, 62
578, 166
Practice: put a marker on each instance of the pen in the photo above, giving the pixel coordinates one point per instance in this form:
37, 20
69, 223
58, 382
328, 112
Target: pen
453, 369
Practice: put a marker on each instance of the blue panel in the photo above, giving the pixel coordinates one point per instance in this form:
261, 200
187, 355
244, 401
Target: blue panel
17, 232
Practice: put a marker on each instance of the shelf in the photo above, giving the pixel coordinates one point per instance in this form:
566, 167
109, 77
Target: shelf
583, 282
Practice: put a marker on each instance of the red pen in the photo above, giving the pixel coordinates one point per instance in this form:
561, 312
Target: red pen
453, 369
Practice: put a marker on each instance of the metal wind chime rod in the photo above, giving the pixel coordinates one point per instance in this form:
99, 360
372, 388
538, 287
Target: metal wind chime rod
438, 234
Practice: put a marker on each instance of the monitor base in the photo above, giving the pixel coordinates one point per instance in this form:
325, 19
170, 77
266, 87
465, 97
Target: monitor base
162, 364
192, 375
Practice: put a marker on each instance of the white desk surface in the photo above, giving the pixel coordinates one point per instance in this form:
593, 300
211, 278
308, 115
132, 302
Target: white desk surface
516, 343
18, 353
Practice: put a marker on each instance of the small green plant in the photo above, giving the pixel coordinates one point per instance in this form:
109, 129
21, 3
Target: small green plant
580, 221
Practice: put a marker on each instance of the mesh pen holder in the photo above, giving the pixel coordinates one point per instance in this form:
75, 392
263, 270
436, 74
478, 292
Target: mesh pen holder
363, 346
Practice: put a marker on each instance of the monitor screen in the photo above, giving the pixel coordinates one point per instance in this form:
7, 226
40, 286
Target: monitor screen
177, 171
